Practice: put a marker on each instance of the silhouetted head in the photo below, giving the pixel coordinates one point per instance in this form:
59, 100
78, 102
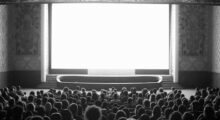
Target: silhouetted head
120, 114
93, 113
175, 116
188, 116
66, 114
56, 116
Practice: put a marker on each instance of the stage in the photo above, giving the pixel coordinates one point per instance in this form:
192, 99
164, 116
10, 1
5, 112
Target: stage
104, 82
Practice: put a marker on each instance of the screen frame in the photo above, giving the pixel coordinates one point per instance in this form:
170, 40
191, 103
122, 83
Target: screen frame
85, 71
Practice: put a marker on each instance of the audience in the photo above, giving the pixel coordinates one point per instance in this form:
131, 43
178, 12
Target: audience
112, 104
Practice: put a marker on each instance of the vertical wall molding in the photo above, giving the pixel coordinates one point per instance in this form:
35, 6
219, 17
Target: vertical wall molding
174, 43
44, 42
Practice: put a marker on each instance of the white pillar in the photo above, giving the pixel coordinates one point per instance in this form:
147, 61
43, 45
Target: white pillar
174, 43
44, 42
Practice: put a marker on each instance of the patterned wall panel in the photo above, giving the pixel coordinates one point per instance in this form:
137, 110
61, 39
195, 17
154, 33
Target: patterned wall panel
25, 37
192, 26
194, 38
27, 29
3, 39
216, 39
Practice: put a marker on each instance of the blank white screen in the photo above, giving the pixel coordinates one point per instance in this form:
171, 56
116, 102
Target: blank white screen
110, 36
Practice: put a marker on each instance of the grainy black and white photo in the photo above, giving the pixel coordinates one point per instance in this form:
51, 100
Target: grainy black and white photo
109, 60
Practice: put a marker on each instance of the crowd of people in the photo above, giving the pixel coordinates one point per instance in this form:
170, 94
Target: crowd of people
111, 104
